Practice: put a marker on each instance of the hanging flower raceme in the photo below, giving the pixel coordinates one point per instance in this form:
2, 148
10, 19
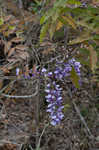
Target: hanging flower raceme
55, 101
53, 90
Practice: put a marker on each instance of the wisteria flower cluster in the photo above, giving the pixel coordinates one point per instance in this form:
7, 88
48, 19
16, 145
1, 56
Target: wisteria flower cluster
55, 100
64, 71
27, 74
54, 91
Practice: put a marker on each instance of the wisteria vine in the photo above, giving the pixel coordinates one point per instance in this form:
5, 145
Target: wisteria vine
53, 90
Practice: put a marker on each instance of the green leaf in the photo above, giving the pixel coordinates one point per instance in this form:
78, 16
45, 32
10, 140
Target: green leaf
96, 37
84, 36
63, 21
52, 30
66, 107
74, 2
60, 3
42, 20
43, 32
84, 51
1, 21
74, 78
11, 27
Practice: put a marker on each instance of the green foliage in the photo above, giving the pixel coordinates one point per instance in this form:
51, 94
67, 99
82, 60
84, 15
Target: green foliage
85, 22
56, 14
1, 21
75, 78
44, 31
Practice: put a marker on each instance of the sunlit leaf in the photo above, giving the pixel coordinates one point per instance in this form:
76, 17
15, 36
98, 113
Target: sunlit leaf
1, 21
42, 20
11, 27
74, 2
52, 30
59, 25
70, 21
44, 31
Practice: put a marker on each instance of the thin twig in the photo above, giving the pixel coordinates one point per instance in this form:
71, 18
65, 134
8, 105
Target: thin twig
66, 34
16, 96
41, 136
25, 96
37, 113
82, 120
80, 116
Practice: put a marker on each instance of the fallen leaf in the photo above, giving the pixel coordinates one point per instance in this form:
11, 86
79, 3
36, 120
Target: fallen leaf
21, 47
93, 58
59, 25
7, 47
17, 39
11, 52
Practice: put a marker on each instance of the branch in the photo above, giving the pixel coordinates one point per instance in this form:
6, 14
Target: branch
16, 96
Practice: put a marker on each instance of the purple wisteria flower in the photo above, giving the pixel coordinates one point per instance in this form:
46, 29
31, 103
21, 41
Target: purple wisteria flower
55, 101
54, 91
64, 71
17, 71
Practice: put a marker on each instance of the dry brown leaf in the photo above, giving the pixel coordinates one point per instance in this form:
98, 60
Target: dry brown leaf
93, 58
7, 47
95, 2
13, 8
12, 51
21, 47
13, 59
19, 56
17, 39
59, 25
7, 89
14, 21
23, 56
7, 18
97, 42
21, 22
5, 70
1, 83
29, 18
46, 43
70, 21
47, 51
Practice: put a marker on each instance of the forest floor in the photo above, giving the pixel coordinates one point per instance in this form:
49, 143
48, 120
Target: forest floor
79, 130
